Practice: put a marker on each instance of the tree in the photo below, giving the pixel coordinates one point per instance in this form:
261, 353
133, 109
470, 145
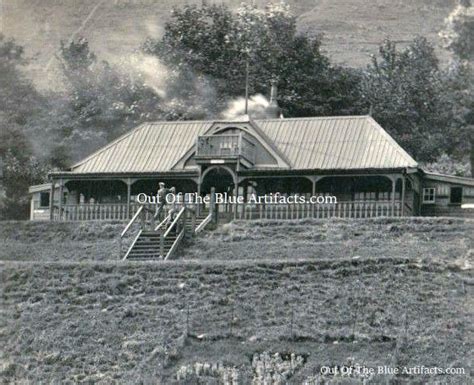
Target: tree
459, 97
199, 43
19, 172
18, 98
446, 164
458, 37
100, 103
20, 104
458, 32
406, 92
212, 42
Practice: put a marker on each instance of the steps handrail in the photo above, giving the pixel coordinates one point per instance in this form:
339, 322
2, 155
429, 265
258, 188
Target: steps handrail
203, 224
134, 218
132, 245
162, 222
175, 245
175, 221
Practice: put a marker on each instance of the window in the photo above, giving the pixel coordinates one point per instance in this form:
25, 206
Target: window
429, 195
44, 199
456, 195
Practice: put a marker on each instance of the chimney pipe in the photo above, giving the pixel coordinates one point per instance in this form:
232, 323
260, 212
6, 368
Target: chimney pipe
273, 108
273, 94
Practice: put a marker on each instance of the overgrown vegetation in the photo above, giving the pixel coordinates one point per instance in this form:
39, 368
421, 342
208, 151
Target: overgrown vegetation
57, 241
446, 239
377, 303
433, 238
106, 322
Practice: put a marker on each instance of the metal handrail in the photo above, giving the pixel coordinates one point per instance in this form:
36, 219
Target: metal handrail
131, 221
175, 221
178, 226
178, 238
175, 245
163, 222
132, 245
203, 224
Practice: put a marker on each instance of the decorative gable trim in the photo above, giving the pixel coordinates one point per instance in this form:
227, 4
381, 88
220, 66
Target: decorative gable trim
252, 129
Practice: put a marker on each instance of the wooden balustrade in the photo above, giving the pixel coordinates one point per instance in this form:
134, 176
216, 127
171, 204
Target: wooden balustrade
222, 146
356, 209
98, 212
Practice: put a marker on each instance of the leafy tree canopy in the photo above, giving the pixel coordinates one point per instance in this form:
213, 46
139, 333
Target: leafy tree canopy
20, 104
458, 32
212, 42
101, 101
458, 36
405, 89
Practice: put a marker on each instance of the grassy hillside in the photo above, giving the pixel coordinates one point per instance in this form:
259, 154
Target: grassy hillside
109, 321
54, 241
418, 238
433, 238
128, 322
352, 29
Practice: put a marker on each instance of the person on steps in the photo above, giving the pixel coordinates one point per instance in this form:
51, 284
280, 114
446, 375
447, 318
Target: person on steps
161, 198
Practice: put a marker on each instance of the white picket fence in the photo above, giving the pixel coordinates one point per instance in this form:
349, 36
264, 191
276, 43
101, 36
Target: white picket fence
97, 212
362, 209
354, 209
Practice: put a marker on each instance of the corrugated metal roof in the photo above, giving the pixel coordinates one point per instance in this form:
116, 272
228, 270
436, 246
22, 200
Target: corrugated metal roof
352, 142
151, 147
329, 143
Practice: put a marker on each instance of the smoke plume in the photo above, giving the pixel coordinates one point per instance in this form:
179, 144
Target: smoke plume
147, 70
258, 108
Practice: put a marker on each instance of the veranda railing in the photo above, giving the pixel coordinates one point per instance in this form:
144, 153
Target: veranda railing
348, 209
351, 209
98, 212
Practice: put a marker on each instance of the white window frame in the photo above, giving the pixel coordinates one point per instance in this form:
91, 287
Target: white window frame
426, 192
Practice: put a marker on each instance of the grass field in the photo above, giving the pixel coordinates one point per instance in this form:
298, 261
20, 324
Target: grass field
44, 241
136, 322
430, 238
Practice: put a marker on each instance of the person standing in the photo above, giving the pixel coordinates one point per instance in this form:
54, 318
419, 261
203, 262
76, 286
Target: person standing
173, 208
161, 198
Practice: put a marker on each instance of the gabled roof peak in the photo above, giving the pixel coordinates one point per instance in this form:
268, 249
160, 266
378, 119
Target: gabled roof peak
307, 143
